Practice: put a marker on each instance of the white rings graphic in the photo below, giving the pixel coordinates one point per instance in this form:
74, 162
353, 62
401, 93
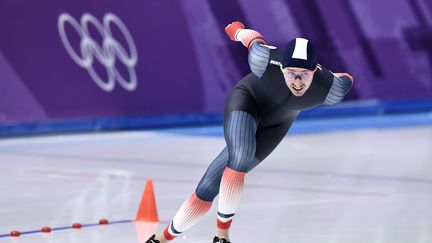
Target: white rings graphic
106, 54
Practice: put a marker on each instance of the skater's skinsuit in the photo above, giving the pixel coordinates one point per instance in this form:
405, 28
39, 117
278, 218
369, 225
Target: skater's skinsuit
259, 112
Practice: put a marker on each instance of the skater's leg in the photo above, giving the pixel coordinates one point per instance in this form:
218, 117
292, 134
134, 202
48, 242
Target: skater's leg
195, 207
267, 140
240, 128
192, 210
208, 187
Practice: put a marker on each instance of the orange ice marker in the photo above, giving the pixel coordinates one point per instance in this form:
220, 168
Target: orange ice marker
46, 229
103, 221
77, 226
147, 211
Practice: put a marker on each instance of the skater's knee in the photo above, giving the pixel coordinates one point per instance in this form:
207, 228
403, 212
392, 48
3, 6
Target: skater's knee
208, 189
241, 159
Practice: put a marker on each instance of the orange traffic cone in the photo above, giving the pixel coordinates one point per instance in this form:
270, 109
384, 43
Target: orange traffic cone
147, 211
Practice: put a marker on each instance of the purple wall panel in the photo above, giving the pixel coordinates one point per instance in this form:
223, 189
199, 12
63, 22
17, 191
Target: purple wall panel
185, 63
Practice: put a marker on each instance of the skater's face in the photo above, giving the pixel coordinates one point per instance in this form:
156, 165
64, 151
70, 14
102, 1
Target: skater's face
298, 80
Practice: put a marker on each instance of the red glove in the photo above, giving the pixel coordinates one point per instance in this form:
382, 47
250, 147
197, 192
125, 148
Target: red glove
233, 28
344, 74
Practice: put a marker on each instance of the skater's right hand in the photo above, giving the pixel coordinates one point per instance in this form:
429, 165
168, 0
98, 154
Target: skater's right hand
233, 28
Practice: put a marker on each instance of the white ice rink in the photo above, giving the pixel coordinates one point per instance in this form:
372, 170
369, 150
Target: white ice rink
363, 186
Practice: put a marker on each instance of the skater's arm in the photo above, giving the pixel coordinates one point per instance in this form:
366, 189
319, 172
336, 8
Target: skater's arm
342, 84
259, 53
237, 32
258, 58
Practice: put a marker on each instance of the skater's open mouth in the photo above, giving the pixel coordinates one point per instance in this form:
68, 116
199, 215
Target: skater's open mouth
297, 89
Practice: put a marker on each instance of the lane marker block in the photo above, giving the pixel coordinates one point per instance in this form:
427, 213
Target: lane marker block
77, 226
46, 229
103, 221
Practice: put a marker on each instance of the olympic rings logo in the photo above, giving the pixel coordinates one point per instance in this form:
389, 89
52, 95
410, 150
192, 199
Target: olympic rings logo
106, 54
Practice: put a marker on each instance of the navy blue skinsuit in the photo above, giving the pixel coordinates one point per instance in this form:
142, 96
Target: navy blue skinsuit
259, 112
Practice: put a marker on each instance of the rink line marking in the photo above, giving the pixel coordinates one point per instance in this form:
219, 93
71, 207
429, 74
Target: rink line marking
83, 226
254, 186
317, 190
102, 159
196, 165
67, 227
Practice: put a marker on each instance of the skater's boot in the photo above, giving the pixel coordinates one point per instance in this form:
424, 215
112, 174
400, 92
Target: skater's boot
152, 239
220, 240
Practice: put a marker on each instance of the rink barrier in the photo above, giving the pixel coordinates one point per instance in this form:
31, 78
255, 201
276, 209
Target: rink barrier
353, 109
